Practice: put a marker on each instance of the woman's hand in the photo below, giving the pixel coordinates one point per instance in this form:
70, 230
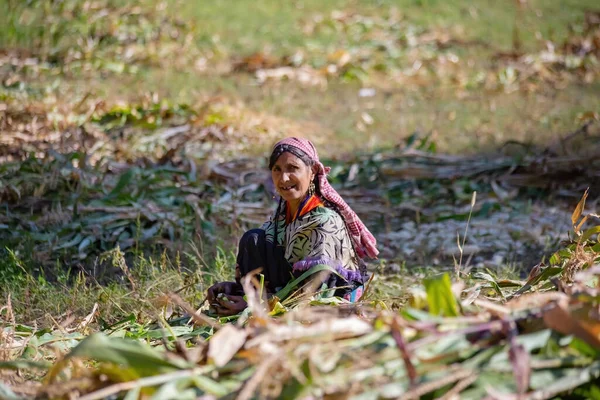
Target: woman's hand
225, 298
227, 288
226, 305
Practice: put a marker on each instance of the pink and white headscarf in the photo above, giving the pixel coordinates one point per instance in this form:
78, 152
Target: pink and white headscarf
363, 241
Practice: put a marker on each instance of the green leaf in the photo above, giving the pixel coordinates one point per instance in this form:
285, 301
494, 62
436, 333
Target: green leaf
278, 309
283, 293
566, 253
555, 259
482, 358
127, 320
24, 364
419, 315
588, 233
569, 379
584, 348
501, 382
129, 353
592, 392
173, 390
491, 280
448, 348
159, 333
208, 385
71, 243
440, 298
547, 273
328, 301
530, 341
124, 180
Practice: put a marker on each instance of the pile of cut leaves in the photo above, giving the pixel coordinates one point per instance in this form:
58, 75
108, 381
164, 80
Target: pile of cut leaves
142, 176
477, 337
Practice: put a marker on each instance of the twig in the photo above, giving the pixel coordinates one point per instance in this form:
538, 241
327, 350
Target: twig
457, 267
428, 387
142, 382
253, 382
459, 387
399, 339
199, 318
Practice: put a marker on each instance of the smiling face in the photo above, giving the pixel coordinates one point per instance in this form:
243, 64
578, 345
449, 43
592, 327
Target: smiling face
291, 177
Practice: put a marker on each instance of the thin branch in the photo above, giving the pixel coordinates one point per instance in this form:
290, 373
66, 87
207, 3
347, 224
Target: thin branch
143, 382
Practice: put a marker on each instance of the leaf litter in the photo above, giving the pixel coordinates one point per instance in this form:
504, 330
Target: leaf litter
127, 174
121, 39
388, 47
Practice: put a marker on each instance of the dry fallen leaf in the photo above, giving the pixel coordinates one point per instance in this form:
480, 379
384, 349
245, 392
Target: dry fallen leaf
225, 344
561, 320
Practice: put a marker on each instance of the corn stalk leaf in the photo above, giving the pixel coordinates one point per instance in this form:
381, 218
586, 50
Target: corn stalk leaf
589, 233
123, 181
126, 353
283, 293
24, 364
440, 298
487, 277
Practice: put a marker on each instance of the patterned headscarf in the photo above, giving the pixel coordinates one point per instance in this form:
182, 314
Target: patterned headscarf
363, 241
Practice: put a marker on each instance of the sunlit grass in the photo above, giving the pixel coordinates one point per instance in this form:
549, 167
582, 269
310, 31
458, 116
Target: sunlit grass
460, 118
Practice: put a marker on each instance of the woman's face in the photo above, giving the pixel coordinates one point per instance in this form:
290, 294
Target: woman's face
291, 177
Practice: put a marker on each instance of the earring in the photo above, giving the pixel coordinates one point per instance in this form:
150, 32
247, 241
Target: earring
311, 189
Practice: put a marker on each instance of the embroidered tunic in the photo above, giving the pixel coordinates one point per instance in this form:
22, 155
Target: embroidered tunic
316, 236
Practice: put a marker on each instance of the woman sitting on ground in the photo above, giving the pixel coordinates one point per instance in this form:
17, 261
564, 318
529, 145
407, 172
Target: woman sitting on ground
312, 226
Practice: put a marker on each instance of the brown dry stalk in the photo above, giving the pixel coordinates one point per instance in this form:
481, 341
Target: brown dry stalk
199, 318
459, 387
144, 382
397, 335
576, 263
428, 387
9, 308
7, 337
250, 387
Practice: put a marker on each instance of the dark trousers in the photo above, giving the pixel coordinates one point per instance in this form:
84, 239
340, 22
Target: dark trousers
256, 252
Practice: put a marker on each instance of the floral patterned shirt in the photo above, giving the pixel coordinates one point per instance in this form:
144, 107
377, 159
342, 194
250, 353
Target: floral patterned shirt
317, 237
